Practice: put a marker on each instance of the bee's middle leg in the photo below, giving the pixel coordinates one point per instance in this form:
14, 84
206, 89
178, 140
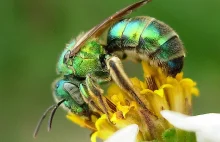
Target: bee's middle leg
88, 99
96, 92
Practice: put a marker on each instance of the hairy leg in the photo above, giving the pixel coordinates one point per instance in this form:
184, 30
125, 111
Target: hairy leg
118, 74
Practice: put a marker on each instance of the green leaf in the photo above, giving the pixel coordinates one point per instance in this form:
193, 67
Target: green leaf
177, 135
170, 135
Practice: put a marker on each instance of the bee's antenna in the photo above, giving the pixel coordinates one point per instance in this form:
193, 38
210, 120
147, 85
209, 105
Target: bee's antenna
43, 117
41, 120
52, 114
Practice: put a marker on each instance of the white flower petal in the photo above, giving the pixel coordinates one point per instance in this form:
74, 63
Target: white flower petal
206, 126
127, 134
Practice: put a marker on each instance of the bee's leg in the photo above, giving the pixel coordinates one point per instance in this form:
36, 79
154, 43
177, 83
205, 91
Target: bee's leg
118, 74
96, 92
87, 98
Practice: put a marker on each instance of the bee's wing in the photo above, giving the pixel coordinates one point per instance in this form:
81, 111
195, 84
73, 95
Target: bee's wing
98, 30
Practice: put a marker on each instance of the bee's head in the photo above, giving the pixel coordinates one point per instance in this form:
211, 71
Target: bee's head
66, 94
67, 90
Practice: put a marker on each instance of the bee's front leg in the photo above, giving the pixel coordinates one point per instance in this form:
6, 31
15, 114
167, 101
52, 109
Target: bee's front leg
118, 74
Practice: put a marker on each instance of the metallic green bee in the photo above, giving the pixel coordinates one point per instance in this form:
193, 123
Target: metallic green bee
89, 61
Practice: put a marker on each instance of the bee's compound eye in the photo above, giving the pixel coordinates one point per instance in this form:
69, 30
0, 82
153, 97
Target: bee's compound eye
74, 92
69, 87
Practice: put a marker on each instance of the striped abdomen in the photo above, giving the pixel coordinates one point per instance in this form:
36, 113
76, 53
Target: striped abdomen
145, 38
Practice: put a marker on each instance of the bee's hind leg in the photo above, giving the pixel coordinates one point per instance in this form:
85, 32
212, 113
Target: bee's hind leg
118, 74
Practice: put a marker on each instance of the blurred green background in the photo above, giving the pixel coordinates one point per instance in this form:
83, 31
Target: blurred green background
33, 34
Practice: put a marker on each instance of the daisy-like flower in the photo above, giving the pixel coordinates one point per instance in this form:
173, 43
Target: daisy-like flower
158, 92
205, 126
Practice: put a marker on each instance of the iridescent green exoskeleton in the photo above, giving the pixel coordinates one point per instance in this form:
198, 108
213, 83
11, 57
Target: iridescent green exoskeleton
89, 61
138, 38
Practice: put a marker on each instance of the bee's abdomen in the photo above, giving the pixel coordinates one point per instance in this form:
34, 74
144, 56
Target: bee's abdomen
146, 35
147, 39
125, 34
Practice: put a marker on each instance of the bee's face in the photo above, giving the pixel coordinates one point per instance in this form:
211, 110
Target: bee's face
70, 93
